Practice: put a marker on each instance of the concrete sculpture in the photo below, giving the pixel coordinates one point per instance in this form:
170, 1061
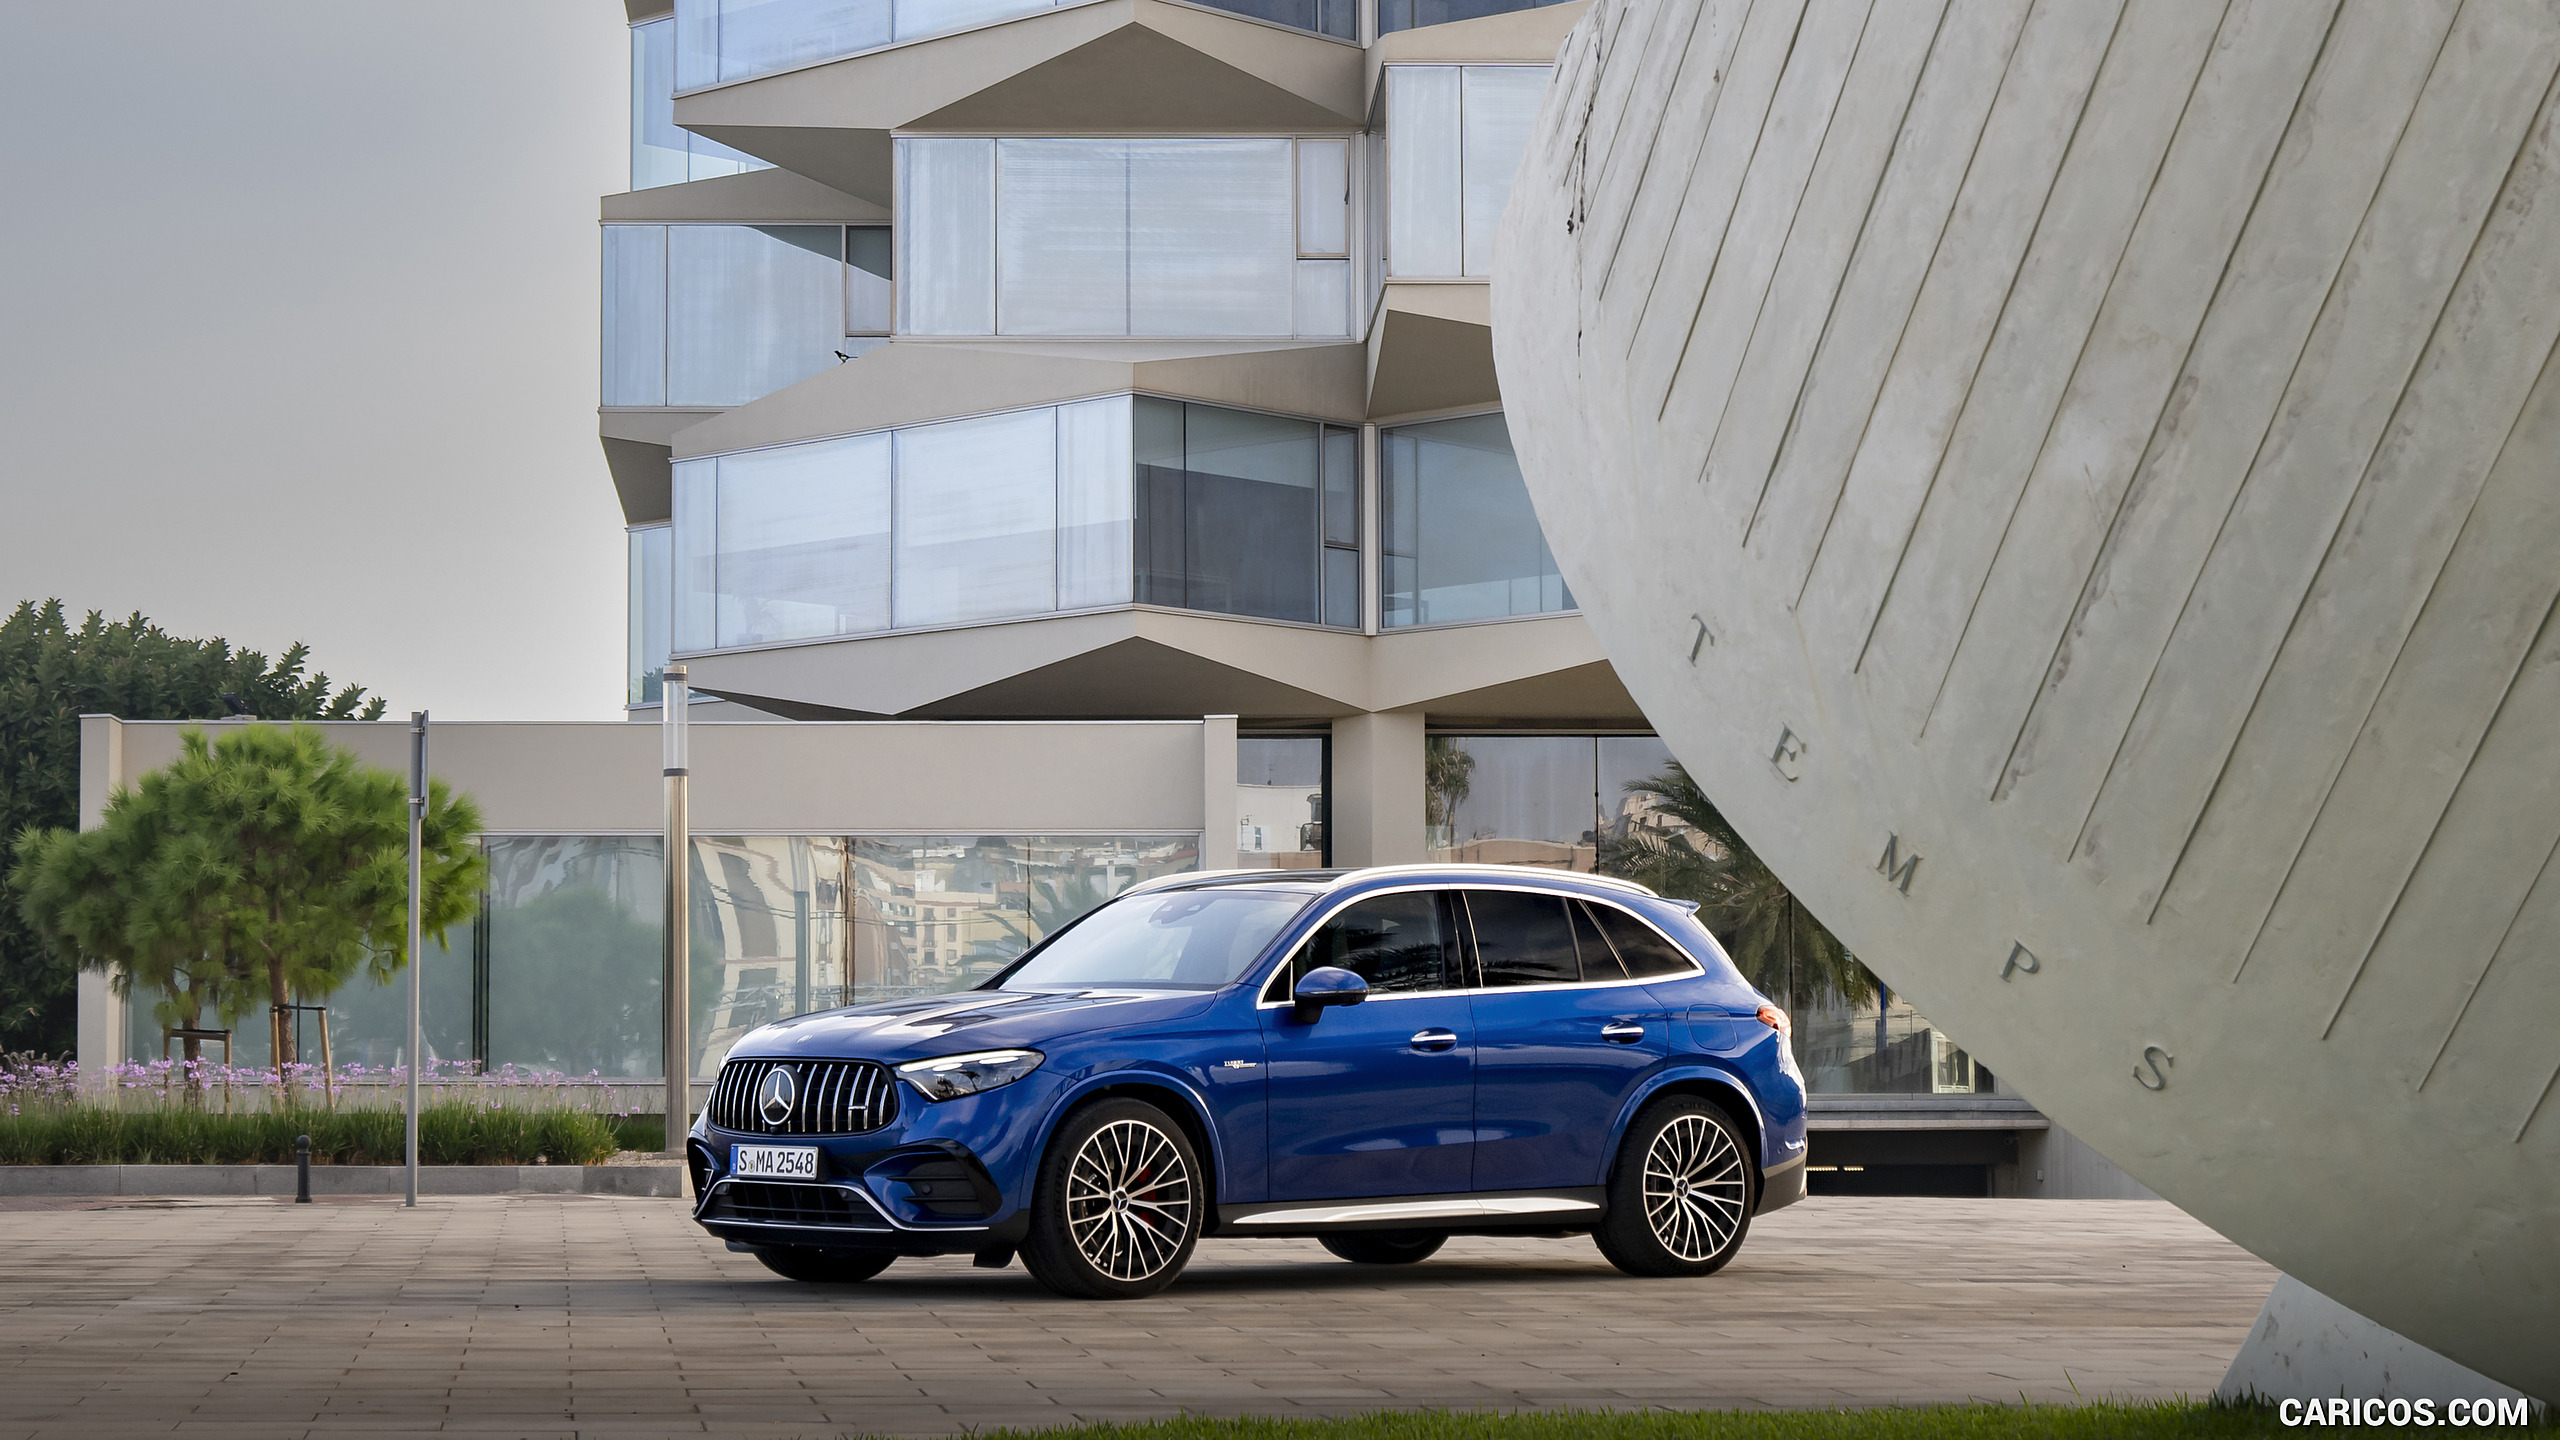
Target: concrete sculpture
2080, 484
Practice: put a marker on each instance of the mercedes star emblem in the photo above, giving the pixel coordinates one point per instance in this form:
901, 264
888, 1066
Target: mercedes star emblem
775, 1096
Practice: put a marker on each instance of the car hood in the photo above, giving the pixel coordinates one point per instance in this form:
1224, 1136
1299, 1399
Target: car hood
928, 1025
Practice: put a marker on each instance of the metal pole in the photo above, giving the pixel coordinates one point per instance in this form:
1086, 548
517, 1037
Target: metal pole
674, 698
417, 864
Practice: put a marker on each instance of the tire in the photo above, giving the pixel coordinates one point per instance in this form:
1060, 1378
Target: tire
1681, 1193
824, 1267
1385, 1247
1118, 1205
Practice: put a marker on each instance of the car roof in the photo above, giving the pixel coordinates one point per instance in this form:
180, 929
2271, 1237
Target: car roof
1319, 881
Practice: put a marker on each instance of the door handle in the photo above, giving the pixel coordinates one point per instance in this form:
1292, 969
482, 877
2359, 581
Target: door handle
1434, 1040
1622, 1032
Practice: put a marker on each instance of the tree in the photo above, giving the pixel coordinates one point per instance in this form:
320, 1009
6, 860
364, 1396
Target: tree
1777, 944
50, 675
1448, 776
259, 868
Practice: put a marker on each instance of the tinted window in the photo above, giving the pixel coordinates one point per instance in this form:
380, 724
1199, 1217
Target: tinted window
1641, 946
1523, 939
1394, 942
1599, 962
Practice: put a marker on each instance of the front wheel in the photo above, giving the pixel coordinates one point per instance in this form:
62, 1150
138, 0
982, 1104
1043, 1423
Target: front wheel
1116, 1210
824, 1267
1385, 1247
1680, 1197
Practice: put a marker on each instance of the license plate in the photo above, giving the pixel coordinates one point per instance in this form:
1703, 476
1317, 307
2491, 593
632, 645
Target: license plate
775, 1162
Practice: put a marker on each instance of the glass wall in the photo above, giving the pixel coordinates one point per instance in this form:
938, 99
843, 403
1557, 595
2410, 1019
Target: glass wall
1879, 1046
1025, 512
944, 912
1092, 237
1247, 514
1455, 134
1280, 802
1462, 542
723, 314
725, 40
769, 934
652, 606
574, 954
661, 154
1551, 800
1394, 15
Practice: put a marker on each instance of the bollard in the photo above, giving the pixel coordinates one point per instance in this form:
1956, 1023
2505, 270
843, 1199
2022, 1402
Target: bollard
301, 1169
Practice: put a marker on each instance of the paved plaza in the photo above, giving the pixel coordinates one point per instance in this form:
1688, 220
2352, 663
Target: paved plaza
608, 1317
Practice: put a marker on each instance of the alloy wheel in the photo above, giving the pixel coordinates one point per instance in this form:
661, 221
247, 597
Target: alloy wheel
1696, 1188
1129, 1201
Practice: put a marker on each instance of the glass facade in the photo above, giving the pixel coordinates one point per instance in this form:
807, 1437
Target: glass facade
720, 41
661, 154
1455, 134
1878, 1046
1280, 802
1394, 15
1461, 541
1021, 513
1550, 800
561, 970
1094, 237
652, 606
718, 315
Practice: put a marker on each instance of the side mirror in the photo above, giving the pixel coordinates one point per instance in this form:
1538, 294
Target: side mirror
1327, 986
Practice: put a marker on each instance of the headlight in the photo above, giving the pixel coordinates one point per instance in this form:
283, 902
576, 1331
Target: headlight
947, 1077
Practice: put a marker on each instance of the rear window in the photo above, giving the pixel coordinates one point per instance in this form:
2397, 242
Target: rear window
1640, 946
1523, 939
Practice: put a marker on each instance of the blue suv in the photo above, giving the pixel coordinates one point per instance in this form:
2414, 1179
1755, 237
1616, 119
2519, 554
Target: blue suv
1378, 1059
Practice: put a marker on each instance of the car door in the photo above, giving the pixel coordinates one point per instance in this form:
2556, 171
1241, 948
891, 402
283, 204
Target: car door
1376, 1098
1563, 1034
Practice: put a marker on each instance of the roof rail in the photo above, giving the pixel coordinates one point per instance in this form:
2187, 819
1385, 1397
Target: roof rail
1611, 881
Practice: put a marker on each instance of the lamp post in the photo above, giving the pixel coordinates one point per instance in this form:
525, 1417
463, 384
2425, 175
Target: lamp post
417, 851
674, 749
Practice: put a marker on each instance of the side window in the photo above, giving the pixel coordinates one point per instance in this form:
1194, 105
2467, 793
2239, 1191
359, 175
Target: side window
1599, 962
1523, 939
1395, 942
1641, 946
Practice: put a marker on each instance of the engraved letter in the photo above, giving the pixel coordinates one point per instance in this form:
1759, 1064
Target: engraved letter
1702, 639
2021, 959
2155, 1057
1896, 871
1791, 748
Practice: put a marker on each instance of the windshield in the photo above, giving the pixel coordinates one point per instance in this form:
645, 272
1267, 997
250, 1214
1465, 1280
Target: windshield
1172, 940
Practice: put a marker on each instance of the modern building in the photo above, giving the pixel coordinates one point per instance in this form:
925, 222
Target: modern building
1112, 361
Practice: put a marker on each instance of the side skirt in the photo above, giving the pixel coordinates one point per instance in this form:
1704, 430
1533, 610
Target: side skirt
1547, 1210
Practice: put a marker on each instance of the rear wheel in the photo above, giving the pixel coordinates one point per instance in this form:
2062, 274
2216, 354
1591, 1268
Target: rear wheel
1116, 1211
1385, 1247
824, 1267
1680, 1197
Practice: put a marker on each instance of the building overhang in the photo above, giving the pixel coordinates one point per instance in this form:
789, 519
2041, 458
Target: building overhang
1141, 663
762, 197
1124, 66
1431, 348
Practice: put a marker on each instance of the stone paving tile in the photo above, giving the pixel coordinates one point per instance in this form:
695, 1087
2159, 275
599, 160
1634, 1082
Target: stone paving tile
615, 1319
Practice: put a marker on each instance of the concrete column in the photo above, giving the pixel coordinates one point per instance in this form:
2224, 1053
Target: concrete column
101, 1023
1218, 792
1376, 802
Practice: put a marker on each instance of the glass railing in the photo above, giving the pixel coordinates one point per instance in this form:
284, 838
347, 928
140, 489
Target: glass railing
720, 41
1394, 15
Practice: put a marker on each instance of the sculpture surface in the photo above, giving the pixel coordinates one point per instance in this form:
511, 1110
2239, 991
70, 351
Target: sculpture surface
2080, 486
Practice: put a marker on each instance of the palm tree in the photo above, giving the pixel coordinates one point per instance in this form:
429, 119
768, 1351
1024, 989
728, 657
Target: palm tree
1777, 944
1447, 776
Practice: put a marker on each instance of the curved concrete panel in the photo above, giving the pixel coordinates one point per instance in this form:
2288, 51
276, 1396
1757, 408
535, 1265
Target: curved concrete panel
2080, 485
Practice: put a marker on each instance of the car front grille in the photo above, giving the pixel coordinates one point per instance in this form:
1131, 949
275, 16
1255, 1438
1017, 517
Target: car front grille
783, 1204
828, 1097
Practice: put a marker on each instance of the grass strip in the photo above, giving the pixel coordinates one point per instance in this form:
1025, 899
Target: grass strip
449, 1133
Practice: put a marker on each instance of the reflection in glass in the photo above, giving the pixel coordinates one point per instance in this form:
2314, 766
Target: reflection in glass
1280, 798
1455, 135
1394, 15
769, 928
1511, 799
1229, 510
652, 607
1106, 237
1879, 1046
575, 953
937, 913
1462, 542
719, 314
661, 154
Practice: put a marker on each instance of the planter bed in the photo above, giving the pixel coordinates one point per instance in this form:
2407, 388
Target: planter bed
76, 1180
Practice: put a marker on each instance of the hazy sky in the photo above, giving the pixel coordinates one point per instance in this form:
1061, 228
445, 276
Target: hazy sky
298, 333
